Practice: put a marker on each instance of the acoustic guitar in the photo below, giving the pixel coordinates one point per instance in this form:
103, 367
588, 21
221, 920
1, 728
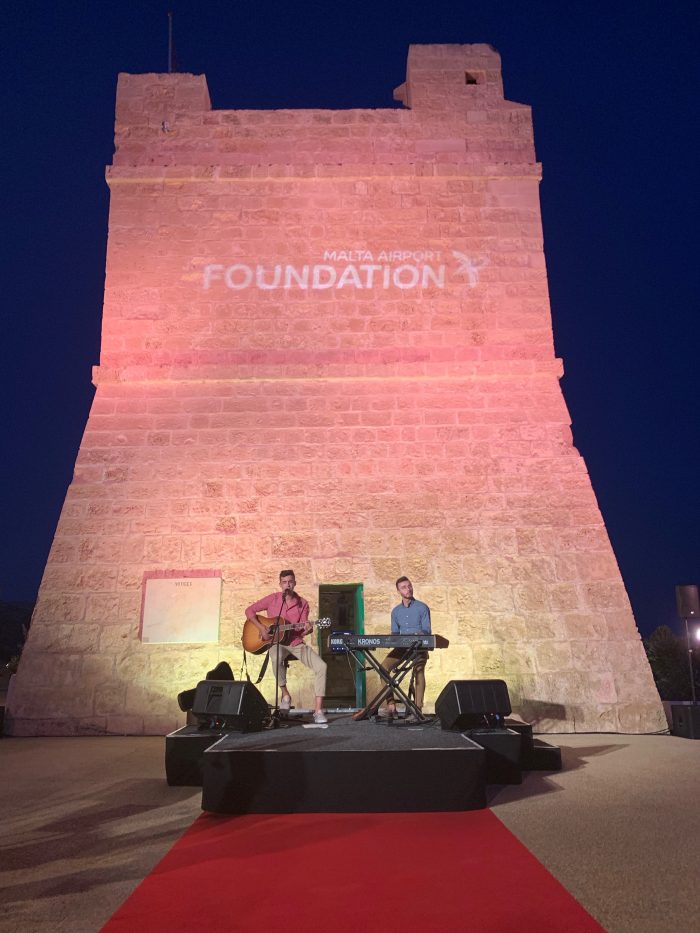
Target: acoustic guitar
254, 643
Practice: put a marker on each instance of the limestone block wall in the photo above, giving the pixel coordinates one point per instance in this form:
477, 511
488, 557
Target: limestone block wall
327, 345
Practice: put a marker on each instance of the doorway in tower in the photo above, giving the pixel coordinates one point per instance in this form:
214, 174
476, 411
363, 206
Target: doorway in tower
344, 605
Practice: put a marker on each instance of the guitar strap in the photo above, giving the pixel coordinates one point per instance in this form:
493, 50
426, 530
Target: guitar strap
244, 666
264, 667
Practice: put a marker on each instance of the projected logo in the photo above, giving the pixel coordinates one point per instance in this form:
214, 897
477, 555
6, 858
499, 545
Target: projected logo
360, 269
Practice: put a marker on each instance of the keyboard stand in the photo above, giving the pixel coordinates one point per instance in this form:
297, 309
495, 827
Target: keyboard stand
391, 680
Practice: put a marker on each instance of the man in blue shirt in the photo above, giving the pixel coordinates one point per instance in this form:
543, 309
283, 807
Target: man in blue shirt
410, 617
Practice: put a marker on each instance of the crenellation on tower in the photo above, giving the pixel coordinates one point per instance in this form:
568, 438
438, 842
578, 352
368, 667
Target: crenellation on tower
148, 99
452, 77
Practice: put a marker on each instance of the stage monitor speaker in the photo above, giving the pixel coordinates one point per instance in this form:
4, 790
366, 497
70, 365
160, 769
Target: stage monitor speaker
473, 704
688, 602
230, 704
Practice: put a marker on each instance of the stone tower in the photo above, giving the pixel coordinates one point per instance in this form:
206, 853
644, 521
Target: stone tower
327, 345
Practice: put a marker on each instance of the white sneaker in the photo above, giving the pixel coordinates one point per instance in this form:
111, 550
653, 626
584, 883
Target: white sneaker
319, 717
286, 703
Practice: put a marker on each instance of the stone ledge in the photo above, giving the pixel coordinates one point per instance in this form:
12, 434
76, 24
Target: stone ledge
509, 369
283, 172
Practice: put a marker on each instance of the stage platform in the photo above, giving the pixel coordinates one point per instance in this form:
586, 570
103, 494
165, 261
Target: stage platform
348, 766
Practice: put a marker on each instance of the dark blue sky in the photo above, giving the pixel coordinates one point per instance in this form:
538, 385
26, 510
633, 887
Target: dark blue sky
614, 92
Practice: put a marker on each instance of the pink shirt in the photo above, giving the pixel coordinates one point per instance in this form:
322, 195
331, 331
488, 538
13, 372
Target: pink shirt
275, 605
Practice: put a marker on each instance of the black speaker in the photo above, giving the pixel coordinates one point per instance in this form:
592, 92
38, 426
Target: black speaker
236, 705
688, 602
473, 704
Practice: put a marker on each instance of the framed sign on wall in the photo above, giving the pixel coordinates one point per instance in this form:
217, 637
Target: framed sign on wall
180, 606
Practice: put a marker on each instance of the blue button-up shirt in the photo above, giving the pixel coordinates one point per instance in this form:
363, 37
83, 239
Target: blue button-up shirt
413, 619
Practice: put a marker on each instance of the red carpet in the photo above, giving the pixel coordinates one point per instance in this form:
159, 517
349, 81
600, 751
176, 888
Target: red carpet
351, 872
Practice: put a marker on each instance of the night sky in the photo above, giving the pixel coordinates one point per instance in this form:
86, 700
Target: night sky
613, 88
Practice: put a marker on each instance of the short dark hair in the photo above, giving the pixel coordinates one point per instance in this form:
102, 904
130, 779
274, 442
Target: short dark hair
402, 580
287, 573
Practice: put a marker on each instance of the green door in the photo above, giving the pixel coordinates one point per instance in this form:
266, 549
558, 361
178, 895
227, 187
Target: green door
343, 603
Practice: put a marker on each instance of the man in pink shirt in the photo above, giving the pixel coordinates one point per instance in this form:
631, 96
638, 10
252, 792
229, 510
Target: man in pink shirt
289, 607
